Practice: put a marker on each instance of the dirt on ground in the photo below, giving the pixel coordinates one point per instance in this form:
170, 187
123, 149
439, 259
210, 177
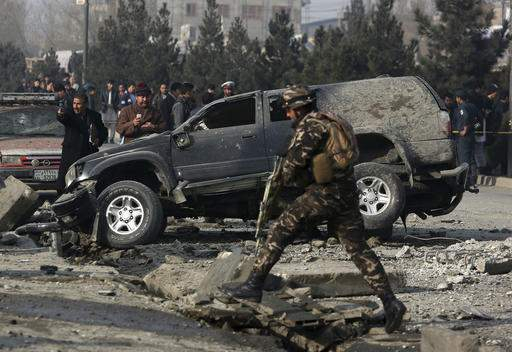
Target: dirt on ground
99, 293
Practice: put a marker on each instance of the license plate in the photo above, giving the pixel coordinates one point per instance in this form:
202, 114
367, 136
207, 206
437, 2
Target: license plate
46, 175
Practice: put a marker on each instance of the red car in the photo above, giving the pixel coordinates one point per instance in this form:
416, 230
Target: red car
30, 139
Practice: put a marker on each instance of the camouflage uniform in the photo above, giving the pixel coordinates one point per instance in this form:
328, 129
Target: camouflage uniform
336, 202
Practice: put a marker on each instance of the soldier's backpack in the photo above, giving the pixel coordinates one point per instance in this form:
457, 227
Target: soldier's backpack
341, 149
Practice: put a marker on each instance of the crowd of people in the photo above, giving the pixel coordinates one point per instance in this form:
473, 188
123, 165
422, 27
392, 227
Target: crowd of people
479, 127
118, 113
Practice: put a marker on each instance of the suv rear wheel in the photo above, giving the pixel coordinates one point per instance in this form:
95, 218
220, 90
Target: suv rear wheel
130, 214
381, 196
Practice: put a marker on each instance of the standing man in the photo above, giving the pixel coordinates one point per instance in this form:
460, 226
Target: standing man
160, 97
209, 95
183, 106
140, 119
465, 119
131, 92
124, 98
228, 88
84, 134
64, 100
333, 199
109, 104
168, 103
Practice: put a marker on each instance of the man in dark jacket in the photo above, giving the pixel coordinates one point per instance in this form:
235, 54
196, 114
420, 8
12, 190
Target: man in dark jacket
183, 106
84, 134
168, 103
109, 100
141, 119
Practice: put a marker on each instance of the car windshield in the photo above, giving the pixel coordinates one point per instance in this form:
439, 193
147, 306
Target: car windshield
30, 121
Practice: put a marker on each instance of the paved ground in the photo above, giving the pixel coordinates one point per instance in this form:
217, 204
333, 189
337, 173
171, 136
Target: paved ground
69, 311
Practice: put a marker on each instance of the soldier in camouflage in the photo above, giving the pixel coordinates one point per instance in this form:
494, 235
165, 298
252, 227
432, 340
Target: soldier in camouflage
335, 202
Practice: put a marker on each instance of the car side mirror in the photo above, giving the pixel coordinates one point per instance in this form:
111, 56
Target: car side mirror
182, 140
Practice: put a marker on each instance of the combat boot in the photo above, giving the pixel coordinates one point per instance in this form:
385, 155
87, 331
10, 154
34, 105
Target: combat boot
394, 310
250, 290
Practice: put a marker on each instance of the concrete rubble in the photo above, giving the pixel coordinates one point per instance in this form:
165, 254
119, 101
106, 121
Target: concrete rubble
17, 202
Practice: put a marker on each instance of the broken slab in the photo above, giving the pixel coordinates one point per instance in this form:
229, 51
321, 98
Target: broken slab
174, 282
436, 339
494, 266
17, 202
228, 267
332, 278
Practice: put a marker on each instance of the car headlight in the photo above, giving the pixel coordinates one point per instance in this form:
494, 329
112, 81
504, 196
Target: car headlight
70, 175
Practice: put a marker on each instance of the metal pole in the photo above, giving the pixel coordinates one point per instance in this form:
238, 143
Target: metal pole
86, 40
509, 114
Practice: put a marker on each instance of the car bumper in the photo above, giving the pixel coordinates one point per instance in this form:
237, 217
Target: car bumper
457, 179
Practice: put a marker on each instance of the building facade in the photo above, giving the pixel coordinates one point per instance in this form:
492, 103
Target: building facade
186, 15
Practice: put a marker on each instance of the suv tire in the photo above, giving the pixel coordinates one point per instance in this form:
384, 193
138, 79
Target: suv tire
130, 214
381, 197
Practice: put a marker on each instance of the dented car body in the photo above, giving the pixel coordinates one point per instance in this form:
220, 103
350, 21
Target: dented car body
216, 163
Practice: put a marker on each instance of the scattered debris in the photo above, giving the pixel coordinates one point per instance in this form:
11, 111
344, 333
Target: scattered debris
17, 202
494, 266
473, 313
404, 252
437, 339
107, 293
8, 238
445, 286
49, 269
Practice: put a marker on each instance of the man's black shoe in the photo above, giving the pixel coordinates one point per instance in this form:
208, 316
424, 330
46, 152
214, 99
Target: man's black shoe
394, 311
251, 290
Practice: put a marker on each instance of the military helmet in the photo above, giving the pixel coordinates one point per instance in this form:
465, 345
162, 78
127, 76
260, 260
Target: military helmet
296, 96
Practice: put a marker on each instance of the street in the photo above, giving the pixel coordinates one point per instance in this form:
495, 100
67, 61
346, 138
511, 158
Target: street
100, 304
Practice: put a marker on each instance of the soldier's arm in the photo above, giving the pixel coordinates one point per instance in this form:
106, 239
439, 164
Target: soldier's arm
309, 138
125, 126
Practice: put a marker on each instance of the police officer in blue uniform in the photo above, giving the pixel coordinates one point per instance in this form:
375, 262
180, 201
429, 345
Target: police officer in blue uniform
464, 123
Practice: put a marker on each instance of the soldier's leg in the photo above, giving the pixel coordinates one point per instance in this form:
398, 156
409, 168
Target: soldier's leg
306, 208
350, 230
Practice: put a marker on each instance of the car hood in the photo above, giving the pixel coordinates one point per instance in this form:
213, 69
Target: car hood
144, 143
12, 145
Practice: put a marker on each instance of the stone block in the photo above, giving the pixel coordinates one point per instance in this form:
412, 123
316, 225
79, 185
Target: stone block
494, 266
17, 202
174, 282
436, 339
331, 278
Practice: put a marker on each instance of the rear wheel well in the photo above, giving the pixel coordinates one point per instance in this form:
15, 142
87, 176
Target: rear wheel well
140, 171
374, 147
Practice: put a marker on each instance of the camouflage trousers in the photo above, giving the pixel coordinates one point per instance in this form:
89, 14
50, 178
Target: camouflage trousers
338, 205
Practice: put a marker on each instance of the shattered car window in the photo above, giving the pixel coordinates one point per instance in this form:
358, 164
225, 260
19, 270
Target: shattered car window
277, 112
229, 114
30, 121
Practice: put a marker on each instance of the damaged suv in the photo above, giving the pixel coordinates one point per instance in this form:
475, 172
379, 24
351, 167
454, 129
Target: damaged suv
216, 163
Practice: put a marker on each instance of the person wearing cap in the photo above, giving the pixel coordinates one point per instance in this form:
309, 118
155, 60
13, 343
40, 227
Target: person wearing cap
228, 88
140, 119
464, 132
329, 196
183, 106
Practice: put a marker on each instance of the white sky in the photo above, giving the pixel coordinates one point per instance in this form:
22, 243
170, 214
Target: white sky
322, 9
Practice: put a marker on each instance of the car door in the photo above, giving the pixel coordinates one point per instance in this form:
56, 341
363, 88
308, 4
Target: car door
278, 128
226, 139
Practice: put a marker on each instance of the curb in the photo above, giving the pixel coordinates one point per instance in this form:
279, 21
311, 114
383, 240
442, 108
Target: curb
493, 181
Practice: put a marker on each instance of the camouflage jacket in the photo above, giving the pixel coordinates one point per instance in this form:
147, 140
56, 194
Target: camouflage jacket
311, 135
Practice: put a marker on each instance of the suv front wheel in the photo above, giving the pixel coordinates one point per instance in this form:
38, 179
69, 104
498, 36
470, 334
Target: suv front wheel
381, 196
130, 214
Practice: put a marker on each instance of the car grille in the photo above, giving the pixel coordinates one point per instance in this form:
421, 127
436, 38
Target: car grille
41, 161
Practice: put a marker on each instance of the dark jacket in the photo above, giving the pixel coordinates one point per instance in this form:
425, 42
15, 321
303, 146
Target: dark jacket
82, 136
104, 100
124, 101
166, 110
180, 112
129, 131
